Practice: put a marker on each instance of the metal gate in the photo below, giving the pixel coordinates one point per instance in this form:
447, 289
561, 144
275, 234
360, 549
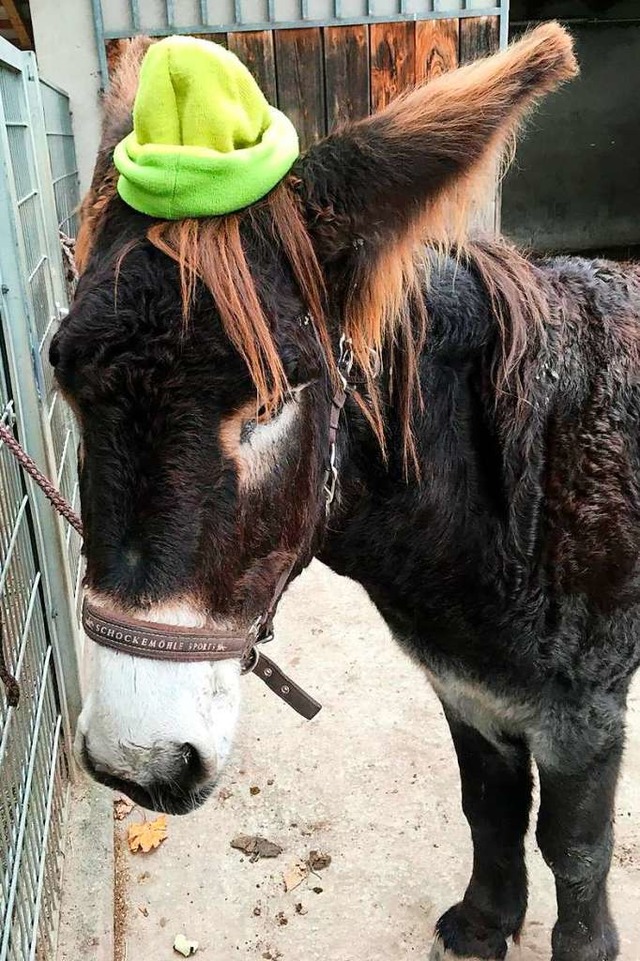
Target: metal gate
39, 558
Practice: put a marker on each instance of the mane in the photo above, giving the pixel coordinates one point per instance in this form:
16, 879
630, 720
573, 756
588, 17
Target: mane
381, 304
522, 304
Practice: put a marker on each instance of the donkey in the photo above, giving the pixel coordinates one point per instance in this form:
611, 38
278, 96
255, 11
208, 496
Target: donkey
487, 493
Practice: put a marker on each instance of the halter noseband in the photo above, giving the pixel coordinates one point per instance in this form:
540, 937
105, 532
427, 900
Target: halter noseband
171, 643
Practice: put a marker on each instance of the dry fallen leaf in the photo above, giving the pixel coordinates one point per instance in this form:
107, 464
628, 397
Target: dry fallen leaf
318, 860
121, 807
256, 846
295, 875
184, 947
146, 835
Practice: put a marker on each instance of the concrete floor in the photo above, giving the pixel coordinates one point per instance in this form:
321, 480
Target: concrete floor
372, 782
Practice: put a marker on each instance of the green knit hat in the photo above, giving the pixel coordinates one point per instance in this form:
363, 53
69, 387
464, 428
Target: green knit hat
205, 141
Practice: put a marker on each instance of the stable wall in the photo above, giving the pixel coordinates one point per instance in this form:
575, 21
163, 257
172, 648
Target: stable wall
67, 56
575, 184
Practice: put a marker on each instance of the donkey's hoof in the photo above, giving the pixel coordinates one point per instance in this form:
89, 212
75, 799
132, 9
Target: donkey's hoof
440, 953
464, 935
572, 946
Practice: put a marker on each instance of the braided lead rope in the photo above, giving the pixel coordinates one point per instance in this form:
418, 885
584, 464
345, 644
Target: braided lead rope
11, 685
62, 506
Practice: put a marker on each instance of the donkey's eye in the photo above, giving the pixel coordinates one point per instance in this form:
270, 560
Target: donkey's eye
265, 416
261, 419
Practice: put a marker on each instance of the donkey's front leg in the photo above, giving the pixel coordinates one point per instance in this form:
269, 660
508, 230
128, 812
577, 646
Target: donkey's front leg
576, 838
496, 799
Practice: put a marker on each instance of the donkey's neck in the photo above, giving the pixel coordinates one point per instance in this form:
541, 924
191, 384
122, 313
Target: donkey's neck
384, 523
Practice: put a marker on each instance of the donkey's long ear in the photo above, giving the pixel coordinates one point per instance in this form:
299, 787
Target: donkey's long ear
117, 122
386, 179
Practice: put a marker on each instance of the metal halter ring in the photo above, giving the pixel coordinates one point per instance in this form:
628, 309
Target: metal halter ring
345, 359
249, 664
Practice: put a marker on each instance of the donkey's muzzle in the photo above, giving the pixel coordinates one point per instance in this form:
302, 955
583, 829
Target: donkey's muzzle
180, 782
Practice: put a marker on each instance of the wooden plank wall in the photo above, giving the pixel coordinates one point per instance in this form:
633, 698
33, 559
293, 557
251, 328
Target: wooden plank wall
322, 76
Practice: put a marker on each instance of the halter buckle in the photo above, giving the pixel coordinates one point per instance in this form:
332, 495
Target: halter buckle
261, 632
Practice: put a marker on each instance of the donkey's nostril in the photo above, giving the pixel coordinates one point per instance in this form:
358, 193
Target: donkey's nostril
182, 784
191, 759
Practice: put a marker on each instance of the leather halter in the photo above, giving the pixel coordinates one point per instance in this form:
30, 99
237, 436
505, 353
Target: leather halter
172, 643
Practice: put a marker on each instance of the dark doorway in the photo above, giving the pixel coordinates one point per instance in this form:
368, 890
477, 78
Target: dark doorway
575, 184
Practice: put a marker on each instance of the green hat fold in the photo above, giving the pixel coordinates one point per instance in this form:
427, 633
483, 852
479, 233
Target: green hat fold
205, 140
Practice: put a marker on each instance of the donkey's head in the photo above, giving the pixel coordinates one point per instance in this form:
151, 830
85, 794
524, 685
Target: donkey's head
199, 358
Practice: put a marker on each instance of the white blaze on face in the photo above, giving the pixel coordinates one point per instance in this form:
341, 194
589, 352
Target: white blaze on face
137, 708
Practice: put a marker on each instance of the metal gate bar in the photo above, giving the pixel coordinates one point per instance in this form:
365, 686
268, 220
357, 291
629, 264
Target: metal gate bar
37, 565
54, 104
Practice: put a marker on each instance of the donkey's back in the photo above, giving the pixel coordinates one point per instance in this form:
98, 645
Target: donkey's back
591, 438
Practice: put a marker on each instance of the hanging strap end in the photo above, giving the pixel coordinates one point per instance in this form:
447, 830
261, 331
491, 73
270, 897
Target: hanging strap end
278, 682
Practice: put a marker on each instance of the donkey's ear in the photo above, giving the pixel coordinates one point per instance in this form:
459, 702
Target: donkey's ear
389, 176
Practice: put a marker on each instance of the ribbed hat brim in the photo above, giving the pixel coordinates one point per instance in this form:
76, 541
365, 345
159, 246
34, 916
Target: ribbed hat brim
174, 182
